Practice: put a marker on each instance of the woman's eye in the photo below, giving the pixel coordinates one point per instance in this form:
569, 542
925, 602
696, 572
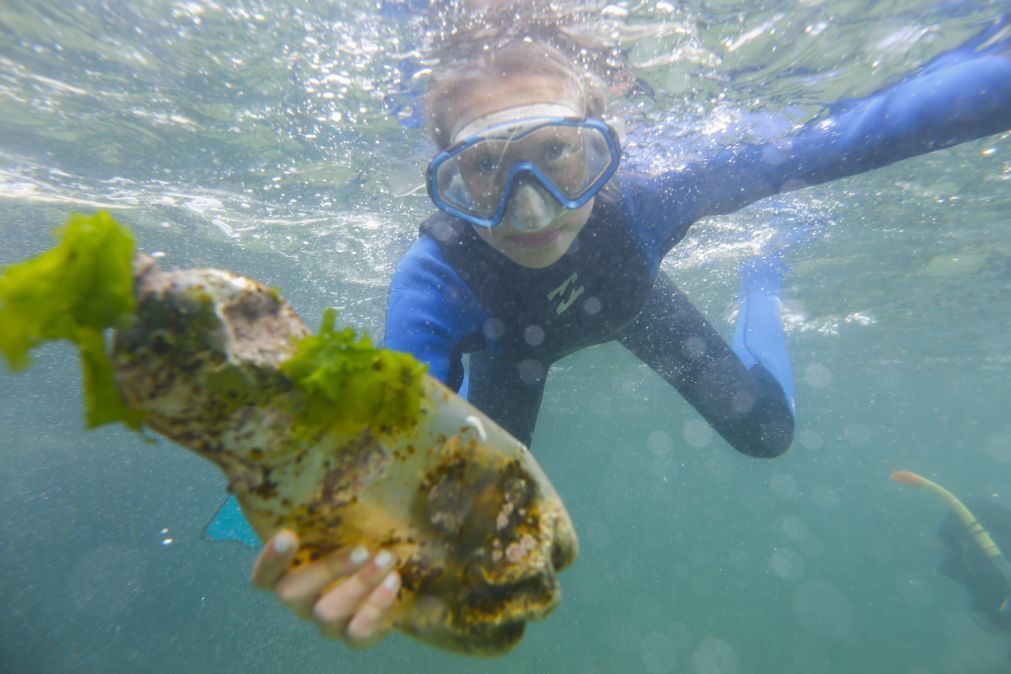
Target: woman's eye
561, 149
555, 151
487, 165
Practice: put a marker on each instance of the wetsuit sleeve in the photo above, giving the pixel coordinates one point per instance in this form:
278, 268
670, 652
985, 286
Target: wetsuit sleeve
747, 406
508, 391
431, 313
962, 95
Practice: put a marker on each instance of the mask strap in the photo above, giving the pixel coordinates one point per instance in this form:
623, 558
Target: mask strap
509, 115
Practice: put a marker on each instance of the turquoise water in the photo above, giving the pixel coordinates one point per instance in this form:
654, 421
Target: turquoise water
253, 136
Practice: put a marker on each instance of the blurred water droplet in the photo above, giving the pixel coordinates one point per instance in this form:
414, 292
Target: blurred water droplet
697, 433
714, 656
817, 375
786, 564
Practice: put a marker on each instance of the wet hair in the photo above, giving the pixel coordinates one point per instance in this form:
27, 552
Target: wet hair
470, 42
450, 83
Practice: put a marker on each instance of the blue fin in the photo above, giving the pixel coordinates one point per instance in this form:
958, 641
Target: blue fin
465, 384
229, 524
758, 335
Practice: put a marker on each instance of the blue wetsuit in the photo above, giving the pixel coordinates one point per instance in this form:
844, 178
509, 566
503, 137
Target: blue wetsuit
453, 294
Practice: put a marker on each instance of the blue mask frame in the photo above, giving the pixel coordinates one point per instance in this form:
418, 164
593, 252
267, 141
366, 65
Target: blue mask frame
524, 169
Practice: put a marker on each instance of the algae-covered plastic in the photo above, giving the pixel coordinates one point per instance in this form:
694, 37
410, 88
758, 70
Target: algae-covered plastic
222, 365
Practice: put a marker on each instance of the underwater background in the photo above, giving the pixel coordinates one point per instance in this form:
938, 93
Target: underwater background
275, 139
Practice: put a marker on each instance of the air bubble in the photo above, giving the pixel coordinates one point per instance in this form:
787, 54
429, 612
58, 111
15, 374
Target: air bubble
533, 335
697, 433
786, 564
714, 656
817, 375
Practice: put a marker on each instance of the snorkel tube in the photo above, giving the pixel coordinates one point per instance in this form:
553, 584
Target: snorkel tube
976, 530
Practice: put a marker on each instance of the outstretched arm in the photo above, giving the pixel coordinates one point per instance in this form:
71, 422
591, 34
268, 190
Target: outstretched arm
744, 402
431, 313
962, 95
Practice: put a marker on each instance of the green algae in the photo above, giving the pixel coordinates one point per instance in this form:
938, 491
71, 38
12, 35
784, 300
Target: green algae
73, 292
84, 285
348, 383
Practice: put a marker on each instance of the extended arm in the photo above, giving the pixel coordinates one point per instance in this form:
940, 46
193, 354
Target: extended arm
962, 95
743, 402
431, 314
434, 316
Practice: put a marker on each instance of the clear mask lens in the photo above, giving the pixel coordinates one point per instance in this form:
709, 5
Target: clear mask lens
567, 157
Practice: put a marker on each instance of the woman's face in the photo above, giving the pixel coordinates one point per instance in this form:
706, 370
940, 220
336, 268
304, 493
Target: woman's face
535, 230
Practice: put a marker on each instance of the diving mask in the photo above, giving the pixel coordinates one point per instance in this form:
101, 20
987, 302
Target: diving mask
570, 158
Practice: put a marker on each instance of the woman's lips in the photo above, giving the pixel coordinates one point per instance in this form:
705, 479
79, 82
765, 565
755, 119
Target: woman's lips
538, 240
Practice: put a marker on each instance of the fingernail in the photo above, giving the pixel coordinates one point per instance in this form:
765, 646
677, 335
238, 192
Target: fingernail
384, 559
392, 582
359, 555
284, 542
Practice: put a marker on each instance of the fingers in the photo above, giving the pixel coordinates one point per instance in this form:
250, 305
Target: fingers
300, 589
347, 593
369, 623
274, 559
362, 598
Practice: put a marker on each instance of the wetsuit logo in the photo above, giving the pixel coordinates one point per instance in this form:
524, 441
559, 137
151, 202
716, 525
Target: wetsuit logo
573, 294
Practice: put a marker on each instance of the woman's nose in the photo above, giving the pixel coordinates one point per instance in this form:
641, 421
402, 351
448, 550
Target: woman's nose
530, 209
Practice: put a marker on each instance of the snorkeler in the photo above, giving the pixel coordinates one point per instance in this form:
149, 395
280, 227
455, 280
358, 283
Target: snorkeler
540, 251
974, 535
968, 564
545, 244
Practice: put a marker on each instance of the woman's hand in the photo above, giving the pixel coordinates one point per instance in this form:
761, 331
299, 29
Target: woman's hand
348, 593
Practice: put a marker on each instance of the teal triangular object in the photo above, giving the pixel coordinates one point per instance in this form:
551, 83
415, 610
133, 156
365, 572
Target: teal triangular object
229, 524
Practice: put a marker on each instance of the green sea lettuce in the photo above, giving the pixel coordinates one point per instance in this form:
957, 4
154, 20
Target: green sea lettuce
84, 285
348, 383
73, 292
